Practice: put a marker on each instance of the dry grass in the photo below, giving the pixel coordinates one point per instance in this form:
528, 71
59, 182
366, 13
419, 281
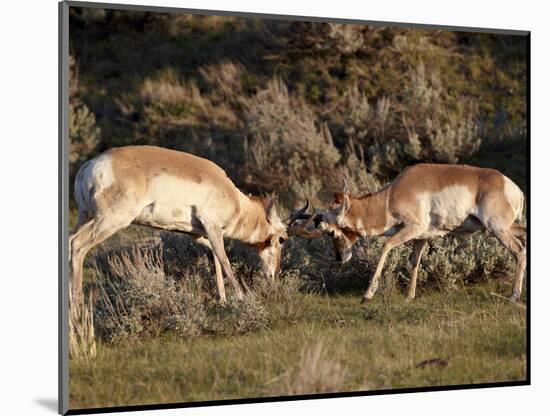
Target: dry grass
82, 344
318, 372
331, 345
167, 89
224, 79
165, 98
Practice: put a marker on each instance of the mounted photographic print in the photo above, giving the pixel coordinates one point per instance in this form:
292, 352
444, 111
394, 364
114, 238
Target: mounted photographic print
266, 208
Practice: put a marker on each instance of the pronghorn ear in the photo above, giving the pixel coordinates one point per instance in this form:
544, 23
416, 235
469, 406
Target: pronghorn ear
346, 203
343, 209
270, 209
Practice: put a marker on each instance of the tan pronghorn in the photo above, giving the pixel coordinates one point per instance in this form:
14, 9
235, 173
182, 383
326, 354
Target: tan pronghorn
424, 202
170, 190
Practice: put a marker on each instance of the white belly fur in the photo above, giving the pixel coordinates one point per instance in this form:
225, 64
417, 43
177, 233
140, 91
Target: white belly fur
173, 203
445, 210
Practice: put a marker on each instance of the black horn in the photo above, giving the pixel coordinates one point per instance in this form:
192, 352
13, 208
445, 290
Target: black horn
300, 214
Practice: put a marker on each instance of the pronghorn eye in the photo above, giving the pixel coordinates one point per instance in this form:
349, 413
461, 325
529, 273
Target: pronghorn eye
281, 240
332, 233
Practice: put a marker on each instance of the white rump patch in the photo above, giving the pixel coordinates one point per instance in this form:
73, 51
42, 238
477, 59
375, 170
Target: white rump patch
514, 196
94, 177
102, 172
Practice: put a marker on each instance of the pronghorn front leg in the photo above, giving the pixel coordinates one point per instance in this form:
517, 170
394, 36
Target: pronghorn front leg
405, 234
215, 237
217, 266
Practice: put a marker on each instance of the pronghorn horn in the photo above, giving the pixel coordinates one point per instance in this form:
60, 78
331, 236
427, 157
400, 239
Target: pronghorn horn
346, 188
299, 214
302, 231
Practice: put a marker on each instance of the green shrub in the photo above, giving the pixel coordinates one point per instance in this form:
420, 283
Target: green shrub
326, 38
432, 125
239, 316
170, 288
289, 150
84, 134
447, 264
138, 299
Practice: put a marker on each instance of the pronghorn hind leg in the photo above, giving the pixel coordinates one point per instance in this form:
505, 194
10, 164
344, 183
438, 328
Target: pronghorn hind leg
407, 233
498, 216
219, 274
82, 241
80, 234
510, 234
520, 232
83, 220
517, 247
416, 255
215, 237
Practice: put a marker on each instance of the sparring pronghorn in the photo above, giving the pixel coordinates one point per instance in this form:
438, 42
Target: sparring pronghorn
425, 201
170, 190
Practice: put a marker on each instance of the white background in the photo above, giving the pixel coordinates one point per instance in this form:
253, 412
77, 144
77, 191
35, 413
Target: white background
28, 204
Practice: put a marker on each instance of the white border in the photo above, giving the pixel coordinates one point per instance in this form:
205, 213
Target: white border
29, 203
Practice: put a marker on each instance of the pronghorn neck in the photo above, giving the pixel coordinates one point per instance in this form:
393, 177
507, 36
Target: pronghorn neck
250, 225
369, 214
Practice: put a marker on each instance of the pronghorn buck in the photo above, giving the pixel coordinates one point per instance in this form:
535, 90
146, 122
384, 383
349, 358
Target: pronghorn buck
176, 191
424, 202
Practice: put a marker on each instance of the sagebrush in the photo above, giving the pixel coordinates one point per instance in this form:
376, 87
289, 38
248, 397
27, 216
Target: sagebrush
168, 288
303, 105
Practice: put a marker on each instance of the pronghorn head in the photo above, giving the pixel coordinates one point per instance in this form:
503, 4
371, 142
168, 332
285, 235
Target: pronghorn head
330, 222
338, 229
270, 249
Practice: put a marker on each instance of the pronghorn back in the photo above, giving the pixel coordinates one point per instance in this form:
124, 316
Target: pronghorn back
160, 186
448, 192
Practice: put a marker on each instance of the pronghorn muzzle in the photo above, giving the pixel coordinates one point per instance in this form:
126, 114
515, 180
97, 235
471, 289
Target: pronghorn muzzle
315, 225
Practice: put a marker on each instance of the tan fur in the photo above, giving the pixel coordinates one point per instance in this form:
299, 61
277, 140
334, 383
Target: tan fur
135, 167
427, 201
368, 214
133, 163
432, 178
253, 227
170, 190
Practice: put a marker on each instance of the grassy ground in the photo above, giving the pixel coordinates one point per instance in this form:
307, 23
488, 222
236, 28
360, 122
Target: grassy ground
317, 343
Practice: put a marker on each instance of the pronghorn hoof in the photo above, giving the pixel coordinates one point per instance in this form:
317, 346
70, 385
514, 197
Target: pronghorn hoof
514, 298
409, 299
365, 300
